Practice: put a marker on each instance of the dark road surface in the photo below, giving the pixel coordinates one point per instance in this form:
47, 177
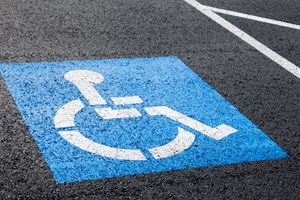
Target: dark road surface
266, 93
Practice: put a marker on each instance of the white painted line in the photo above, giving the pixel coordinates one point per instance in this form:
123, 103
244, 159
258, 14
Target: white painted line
252, 17
65, 115
85, 80
216, 133
247, 38
183, 140
108, 113
126, 100
78, 140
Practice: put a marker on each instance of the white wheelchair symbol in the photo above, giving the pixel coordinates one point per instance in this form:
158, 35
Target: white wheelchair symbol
85, 80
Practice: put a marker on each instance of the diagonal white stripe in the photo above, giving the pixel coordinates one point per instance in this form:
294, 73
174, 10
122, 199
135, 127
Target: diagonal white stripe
247, 38
252, 17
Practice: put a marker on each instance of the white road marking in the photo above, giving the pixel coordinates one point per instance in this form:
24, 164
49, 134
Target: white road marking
85, 80
65, 115
252, 17
78, 140
108, 113
183, 141
216, 133
247, 38
126, 100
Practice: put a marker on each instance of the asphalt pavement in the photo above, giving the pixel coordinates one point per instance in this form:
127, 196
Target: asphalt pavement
262, 90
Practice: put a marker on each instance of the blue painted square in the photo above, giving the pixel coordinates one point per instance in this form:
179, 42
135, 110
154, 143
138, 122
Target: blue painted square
41, 90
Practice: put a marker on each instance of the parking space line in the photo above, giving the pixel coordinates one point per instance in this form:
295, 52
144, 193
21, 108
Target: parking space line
247, 38
255, 18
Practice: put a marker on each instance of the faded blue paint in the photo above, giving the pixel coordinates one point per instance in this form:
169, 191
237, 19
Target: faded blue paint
40, 89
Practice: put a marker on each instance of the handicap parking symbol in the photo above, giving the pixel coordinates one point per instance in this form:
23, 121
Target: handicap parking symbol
105, 118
